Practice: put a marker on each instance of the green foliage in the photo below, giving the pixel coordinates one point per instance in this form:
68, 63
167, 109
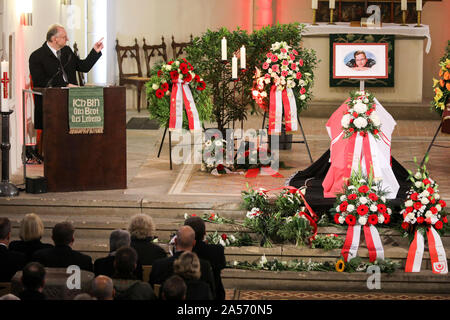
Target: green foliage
288, 204
296, 228
255, 199
358, 265
327, 242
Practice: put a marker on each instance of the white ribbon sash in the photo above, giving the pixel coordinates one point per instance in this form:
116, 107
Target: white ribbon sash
182, 93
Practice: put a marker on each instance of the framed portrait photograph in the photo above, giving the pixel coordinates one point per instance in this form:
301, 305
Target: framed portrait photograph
360, 61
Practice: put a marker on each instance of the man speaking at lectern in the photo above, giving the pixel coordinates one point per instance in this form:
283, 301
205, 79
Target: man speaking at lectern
55, 65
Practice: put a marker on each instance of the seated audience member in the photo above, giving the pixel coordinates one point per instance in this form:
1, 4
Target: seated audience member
84, 296
10, 261
10, 297
33, 281
105, 266
103, 288
174, 289
62, 255
187, 266
31, 232
141, 229
163, 268
214, 253
126, 285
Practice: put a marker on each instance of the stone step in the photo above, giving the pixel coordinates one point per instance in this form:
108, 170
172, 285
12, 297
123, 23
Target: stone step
398, 282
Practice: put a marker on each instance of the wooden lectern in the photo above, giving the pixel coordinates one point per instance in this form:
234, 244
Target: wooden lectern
84, 162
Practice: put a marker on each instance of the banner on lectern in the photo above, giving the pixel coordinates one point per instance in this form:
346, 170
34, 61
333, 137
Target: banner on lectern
86, 110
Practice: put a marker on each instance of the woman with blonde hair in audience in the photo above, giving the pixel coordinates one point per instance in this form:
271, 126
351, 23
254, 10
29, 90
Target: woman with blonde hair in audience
187, 266
141, 229
31, 232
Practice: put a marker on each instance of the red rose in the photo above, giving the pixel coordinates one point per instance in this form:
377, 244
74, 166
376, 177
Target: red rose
426, 181
295, 52
444, 219
428, 220
355, 114
434, 210
336, 218
170, 63
224, 237
274, 58
375, 131
409, 210
299, 75
350, 220
363, 189
387, 218
159, 94
415, 196
405, 225
211, 217
373, 197
373, 219
362, 134
220, 167
160, 73
442, 203
430, 190
188, 78
432, 200
174, 75
165, 86
362, 210
201, 86
381, 208
417, 205
197, 78
190, 66
351, 129
193, 215
302, 91
343, 206
420, 220
301, 62
269, 55
438, 225
352, 196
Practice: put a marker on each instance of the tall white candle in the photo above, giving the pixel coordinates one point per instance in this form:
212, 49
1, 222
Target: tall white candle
234, 69
332, 4
243, 58
315, 4
224, 49
404, 5
419, 5
4, 70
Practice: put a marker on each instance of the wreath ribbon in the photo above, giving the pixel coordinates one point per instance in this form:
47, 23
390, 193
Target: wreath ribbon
182, 93
373, 242
437, 252
278, 99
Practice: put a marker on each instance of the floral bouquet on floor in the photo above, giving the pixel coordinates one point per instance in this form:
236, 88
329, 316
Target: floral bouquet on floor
442, 86
362, 204
174, 85
424, 213
285, 80
361, 116
213, 155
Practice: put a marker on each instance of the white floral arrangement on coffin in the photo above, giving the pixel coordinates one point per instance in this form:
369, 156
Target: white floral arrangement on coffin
361, 116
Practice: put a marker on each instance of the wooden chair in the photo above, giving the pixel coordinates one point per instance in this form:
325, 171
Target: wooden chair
156, 289
150, 51
146, 270
135, 79
80, 75
179, 48
5, 288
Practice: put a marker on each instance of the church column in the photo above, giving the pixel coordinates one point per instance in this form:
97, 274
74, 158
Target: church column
264, 13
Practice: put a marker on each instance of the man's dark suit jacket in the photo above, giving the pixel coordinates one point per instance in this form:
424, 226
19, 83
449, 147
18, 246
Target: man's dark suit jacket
215, 254
63, 257
162, 269
46, 71
28, 247
10, 263
105, 266
147, 251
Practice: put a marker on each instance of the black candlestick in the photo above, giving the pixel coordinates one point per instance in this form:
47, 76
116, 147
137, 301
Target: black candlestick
7, 189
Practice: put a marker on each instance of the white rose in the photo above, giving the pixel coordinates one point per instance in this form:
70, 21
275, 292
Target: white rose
383, 198
343, 198
409, 203
375, 119
345, 122
155, 86
269, 61
418, 175
437, 196
425, 201
363, 200
362, 221
263, 94
428, 214
425, 193
360, 107
177, 63
351, 187
222, 243
411, 216
418, 184
389, 211
360, 123
267, 80
434, 219
366, 101
341, 220
350, 208
438, 207
303, 97
338, 209
380, 218
373, 208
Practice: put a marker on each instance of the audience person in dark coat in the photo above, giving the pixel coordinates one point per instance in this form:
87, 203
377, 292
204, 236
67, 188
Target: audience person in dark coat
214, 253
10, 261
126, 286
105, 266
31, 232
187, 266
174, 289
103, 288
33, 281
141, 229
163, 268
62, 255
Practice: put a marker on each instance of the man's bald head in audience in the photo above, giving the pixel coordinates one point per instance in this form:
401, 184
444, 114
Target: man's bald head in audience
185, 239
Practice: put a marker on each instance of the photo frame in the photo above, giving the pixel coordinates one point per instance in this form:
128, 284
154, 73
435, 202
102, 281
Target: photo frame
360, 61
364, 39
